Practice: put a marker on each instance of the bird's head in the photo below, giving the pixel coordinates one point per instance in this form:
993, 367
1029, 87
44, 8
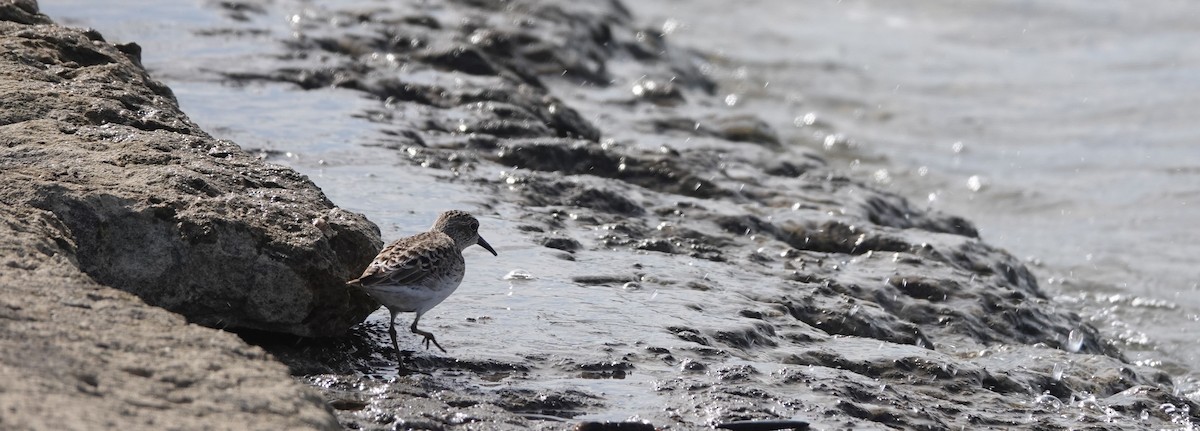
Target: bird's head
463, 228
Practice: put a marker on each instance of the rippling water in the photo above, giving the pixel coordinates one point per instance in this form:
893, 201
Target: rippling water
1064, 129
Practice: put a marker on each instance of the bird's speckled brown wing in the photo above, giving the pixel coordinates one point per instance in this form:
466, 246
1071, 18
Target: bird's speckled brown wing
409, 260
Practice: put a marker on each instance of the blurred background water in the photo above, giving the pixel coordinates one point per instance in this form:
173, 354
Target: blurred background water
1064, 129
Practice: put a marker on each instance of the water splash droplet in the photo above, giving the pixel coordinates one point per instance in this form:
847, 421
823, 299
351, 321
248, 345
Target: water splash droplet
1074, 341
519, 274
1057, 371
976, 183
1048, 401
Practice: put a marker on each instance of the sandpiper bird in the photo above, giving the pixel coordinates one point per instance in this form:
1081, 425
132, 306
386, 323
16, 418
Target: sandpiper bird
415, 274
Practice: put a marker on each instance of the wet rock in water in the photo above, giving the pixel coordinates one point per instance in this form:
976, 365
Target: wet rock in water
757, 283
934, 290
564, 244
763, 425
837, 316
890, 210
614, 426
602, 279
745, 225
582, 158
743, 128
566, 404
839, 237
747, 129
657, 91
615, 370
606, 201
656, 244
425, 402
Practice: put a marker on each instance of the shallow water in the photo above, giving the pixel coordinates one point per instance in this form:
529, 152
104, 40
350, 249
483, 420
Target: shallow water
1112, 230
1076, 118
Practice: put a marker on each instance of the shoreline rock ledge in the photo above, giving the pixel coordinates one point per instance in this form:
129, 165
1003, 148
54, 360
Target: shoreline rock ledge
115, 204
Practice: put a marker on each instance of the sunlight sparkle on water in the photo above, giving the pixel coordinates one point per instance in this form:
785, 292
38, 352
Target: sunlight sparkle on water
519, 274
975, 183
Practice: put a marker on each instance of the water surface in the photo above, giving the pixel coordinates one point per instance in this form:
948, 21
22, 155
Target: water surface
1064, 129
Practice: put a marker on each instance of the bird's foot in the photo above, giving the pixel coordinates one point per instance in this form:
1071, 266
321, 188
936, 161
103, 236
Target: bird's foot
430, 339
403, 356
405, 365
405, 370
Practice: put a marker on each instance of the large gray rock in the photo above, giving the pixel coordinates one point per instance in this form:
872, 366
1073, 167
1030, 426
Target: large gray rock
78, 355
109, 189
154, 206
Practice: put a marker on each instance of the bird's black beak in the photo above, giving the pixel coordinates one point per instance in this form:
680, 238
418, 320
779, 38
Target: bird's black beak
484, 244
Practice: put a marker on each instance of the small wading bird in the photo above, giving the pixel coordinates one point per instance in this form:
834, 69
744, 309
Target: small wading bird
415, 274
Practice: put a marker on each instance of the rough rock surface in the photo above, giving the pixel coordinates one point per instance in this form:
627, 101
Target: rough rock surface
113, 199
158, 208
78, 355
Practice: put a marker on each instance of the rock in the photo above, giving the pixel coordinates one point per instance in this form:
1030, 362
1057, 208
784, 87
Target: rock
580, 157
154, 206
115, 204
737, 129
76, 355
560, 243
23, 12
614, 426
763, 425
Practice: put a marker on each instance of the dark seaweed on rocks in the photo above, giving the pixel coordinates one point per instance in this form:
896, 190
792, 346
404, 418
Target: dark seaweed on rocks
659, 173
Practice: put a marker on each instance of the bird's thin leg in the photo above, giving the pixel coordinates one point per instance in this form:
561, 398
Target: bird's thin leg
428, 336
392, 333
400, 368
